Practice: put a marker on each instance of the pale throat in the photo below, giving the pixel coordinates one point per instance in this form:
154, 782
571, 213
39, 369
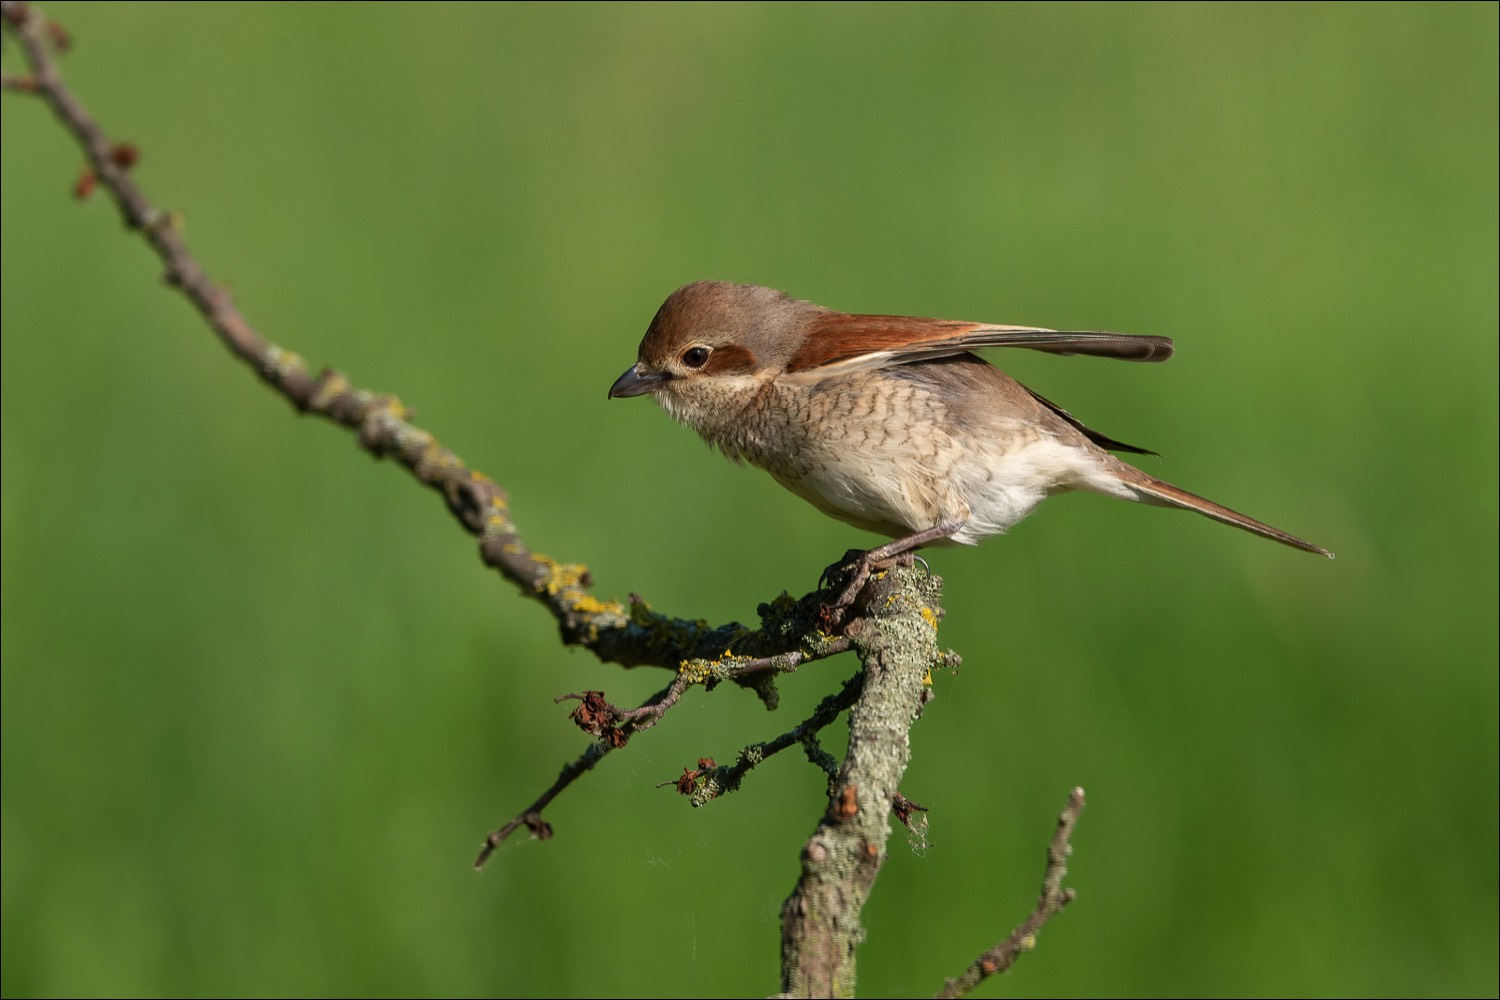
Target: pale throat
723, 412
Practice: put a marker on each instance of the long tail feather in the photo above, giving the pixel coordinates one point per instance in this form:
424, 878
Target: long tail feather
1153, 490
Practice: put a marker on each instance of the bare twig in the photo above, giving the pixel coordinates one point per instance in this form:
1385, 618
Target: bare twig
630, 635
1051, 902
614, 727
718, 781
820, 921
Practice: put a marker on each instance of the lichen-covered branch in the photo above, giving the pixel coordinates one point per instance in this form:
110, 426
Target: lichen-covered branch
820, 921
626, 633
629, 634
892, 624
709, 782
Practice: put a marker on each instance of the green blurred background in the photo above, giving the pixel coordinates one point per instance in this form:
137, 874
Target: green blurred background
261, 701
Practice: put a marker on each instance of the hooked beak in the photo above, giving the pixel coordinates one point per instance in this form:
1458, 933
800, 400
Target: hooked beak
635, 383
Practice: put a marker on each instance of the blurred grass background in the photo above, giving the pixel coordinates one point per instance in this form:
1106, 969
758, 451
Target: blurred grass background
261, 702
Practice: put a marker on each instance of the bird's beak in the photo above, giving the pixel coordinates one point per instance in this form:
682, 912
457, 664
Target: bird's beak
635, 383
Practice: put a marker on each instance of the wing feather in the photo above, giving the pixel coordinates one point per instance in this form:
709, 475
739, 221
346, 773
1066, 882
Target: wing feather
847, 342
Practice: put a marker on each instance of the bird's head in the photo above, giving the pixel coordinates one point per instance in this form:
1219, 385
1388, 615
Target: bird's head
711, 348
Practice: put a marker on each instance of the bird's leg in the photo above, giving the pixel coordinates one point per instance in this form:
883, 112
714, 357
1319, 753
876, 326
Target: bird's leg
859, 566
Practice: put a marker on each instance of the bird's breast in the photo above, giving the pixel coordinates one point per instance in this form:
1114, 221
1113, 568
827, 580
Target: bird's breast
902, 449
875, 452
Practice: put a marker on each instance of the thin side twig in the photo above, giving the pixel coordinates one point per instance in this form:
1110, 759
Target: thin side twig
719, 781
1048, 905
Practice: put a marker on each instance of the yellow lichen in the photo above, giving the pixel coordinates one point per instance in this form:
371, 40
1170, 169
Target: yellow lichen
561, 576
280, 359
695, 670
392, 407
591, 605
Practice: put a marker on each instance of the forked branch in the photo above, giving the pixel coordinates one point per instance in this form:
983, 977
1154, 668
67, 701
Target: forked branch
893, 628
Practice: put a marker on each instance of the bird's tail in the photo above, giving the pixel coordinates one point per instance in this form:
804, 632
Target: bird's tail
1152, 490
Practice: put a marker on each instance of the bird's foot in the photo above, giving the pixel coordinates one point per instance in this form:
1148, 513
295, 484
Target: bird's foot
847, 578
854, 570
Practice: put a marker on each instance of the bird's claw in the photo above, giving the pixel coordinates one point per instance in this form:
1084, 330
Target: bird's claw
860, 565
853, 572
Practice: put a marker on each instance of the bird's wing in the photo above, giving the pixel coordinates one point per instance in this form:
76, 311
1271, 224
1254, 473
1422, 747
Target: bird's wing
845, 342
1102, 440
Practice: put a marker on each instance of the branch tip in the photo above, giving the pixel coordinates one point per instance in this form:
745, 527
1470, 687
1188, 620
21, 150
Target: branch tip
1053, 899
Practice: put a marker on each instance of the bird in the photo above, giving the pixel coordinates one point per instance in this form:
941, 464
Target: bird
892, 423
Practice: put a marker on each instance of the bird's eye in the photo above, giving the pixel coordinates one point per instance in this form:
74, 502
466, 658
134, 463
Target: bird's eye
695, 357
